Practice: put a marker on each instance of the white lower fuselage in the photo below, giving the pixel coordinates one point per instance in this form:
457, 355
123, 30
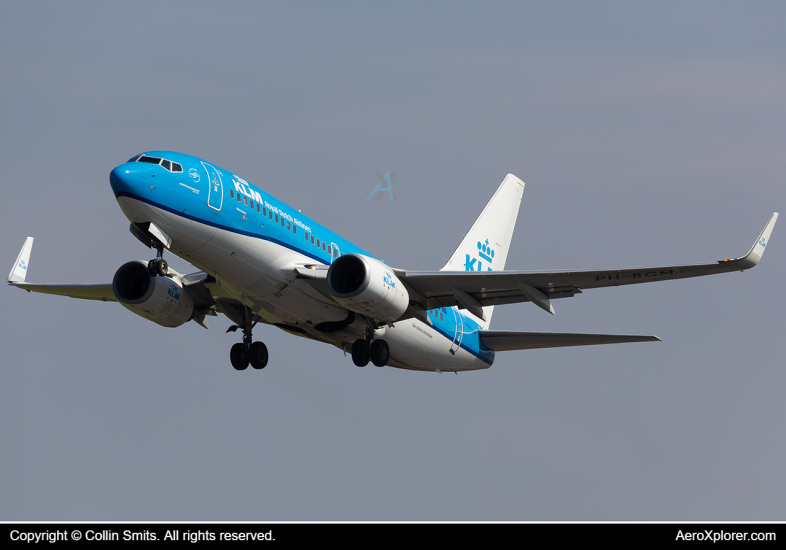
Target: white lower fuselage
260, 274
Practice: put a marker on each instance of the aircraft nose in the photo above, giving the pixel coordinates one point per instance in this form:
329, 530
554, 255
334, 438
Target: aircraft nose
128, 178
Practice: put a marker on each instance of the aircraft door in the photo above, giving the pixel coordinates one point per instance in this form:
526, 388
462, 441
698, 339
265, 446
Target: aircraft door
459, 325
215, 194
334, 252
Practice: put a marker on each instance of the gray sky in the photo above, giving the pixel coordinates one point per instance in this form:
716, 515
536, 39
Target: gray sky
647, 134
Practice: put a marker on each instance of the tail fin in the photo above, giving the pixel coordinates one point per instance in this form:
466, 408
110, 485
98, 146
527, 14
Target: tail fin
485, 247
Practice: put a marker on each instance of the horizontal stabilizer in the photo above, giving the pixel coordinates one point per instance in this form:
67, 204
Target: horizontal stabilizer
506, 341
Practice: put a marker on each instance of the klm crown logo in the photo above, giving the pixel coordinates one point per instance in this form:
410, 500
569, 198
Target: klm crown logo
485, 253
763, 242
22, 265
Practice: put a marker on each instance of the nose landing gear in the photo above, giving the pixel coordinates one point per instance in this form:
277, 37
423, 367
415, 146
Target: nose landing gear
158, 266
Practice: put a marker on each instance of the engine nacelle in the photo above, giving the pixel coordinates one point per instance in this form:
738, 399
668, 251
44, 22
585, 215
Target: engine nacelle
367, 286
160, 299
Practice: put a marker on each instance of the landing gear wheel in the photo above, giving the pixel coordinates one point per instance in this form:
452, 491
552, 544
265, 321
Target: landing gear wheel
380, 353
162, 268
257, 355
157, 267
361, 353
239, 357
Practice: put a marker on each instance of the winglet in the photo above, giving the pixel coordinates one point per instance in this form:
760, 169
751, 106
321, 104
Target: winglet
757, 250
19, 271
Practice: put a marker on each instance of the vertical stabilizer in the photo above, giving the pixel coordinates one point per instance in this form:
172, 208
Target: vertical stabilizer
485, 247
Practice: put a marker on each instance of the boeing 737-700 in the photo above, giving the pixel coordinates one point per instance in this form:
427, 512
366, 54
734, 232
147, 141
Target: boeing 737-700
262, 261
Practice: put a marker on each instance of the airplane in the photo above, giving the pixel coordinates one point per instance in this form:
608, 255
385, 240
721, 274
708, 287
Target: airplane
263, 261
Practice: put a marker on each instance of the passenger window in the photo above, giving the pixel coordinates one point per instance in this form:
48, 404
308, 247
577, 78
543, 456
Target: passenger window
166, 164
317, 243
283, 222
276, 218
294, 229
251, 204
231, 194
312, 239
264, 211
245, 201
306, 236
270, 213
324, 248
239, 198
257, 207
176, 167
288, 226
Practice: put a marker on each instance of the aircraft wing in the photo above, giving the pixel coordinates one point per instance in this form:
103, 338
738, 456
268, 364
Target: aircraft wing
18, 275
195, 283
84, 292
472, 290
506, 341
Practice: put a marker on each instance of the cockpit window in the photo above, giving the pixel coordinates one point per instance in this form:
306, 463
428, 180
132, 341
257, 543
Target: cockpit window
151, 160
169, 165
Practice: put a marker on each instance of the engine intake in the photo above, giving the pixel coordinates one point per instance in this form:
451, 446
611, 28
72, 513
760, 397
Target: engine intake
162, 300
365, 285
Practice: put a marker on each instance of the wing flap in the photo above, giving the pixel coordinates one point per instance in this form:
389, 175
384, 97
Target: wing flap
507, 341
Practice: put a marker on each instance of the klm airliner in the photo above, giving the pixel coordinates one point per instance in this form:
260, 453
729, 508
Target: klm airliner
262, 261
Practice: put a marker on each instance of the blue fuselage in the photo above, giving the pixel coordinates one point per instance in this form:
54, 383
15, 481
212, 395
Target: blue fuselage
249, 241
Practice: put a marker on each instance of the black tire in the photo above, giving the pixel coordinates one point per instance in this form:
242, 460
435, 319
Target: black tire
257, 355
239, 357
162, 268
380, 353
361, 353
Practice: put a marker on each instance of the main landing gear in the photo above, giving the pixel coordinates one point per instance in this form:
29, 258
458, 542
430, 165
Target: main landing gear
248, 352
377, 351
158, 266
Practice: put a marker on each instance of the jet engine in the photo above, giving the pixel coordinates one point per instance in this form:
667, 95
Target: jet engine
367, 286
163, 300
